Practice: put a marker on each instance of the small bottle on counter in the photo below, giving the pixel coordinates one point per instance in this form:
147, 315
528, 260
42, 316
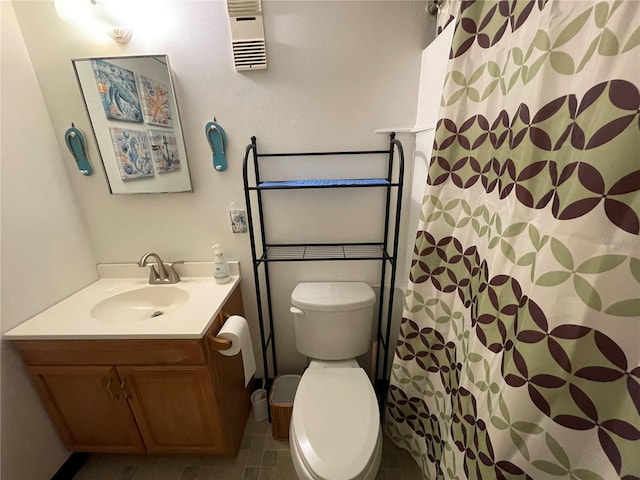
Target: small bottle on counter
221, 271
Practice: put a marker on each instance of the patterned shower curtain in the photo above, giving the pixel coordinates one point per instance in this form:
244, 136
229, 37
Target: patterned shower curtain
519, 348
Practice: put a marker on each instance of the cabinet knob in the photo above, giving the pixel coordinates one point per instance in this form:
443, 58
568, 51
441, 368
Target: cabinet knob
115, 396
124, 390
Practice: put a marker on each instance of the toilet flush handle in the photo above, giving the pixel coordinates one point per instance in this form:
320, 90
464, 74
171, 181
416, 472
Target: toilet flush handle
296, 311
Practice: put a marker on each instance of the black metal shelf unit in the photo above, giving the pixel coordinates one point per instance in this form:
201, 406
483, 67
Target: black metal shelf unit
263, 252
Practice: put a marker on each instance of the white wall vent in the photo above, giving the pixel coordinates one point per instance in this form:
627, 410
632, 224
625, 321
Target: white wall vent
239, 8
247, 34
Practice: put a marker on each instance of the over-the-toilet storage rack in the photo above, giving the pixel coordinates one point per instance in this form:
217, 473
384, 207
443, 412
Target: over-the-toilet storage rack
385, 250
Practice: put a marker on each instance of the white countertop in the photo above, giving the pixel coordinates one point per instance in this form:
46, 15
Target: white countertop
71, 319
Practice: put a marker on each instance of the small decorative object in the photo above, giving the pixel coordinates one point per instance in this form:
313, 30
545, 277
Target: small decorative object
133, 153
165, 150
217, 140
155, 102
118, 91
74, 139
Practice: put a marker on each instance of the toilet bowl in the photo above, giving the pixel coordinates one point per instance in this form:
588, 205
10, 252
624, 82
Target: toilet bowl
334, 433
335, 429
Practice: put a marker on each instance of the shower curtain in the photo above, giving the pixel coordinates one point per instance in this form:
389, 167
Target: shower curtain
519, 348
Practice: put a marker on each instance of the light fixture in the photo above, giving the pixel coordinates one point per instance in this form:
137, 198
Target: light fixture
108, 16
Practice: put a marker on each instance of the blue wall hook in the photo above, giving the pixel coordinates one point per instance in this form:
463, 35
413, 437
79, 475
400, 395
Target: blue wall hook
78, 148
217, 141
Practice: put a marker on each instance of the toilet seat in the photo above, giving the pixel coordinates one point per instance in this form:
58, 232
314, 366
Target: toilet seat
336, 423
304, 472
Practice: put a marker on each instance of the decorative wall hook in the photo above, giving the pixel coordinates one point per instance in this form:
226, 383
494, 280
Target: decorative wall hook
217, 141
78, 148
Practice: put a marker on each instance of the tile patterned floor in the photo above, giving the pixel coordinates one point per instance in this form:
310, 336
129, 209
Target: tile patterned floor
260, 458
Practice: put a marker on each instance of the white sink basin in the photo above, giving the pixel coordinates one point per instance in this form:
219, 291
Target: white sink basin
140, 304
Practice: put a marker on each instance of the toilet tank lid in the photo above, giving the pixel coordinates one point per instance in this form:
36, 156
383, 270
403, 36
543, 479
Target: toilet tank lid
332, 296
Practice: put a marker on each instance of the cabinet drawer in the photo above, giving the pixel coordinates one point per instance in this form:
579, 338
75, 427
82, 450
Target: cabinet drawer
111, 352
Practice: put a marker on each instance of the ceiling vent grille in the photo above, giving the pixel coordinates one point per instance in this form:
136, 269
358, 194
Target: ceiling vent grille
247, 34
238, 8
250, 54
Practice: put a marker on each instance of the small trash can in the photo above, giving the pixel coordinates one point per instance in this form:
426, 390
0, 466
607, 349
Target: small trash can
259, 405
283, 392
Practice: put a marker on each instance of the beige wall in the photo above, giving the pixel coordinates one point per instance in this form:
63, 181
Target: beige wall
338, 70
46, 251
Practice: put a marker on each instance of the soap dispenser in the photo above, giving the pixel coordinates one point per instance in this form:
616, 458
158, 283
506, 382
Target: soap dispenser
221, 272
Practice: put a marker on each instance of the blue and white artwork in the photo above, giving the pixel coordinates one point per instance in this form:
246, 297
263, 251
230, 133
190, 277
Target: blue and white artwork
118, 92
133, 153
165, 150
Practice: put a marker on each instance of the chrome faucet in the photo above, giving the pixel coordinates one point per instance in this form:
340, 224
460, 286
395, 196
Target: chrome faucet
160, 273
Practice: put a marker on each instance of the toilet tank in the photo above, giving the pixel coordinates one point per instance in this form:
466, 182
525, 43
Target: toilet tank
332, 320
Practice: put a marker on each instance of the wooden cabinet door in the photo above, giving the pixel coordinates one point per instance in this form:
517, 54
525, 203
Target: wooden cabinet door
88, 408
227, 377
174, 407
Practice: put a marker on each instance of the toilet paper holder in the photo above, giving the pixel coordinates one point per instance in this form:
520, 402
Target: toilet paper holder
216, 343
219, 343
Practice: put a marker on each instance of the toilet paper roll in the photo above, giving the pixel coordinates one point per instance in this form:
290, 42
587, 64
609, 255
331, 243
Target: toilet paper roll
236, 329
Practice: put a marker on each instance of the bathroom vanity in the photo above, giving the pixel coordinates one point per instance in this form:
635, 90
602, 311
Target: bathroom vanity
130, 387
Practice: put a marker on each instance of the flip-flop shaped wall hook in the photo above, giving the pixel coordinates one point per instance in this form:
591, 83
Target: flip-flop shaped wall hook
217, 140
78, 148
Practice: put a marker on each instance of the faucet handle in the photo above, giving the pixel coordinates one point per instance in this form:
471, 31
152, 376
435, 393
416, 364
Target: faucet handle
154, 278
173, 275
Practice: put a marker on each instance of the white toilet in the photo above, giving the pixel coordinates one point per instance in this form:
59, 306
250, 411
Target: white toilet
335, 426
